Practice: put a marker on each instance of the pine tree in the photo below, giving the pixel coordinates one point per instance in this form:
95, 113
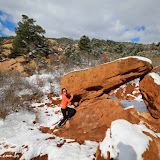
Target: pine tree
28, 37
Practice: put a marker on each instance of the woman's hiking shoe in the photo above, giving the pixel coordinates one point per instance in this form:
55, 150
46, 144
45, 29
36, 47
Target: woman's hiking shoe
59, 126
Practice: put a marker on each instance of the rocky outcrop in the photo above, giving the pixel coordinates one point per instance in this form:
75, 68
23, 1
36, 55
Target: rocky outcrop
105, 77
32, 65
156, 69
150, 89
14, 66
129, 91
93, 117
9, 41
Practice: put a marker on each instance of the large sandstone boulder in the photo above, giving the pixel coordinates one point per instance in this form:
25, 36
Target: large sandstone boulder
106, 77
93, 117
150, 89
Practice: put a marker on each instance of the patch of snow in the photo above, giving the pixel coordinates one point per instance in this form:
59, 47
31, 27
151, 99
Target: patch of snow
156, 77
139, 106
138, 57
125, 141
1, 122
158, 134
138, 98
46, 82
19, 130
60, 49
25, 92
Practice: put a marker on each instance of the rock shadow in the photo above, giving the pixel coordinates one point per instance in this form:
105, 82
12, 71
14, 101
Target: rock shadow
127, 152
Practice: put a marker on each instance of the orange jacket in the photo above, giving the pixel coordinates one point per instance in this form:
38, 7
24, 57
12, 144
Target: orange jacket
65, 101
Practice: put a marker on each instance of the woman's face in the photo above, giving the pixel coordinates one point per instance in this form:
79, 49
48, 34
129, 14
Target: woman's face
64, 91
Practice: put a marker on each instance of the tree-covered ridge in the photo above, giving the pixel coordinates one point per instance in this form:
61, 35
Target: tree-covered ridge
30, 38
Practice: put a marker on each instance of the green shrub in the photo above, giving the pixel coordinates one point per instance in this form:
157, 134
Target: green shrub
84, 44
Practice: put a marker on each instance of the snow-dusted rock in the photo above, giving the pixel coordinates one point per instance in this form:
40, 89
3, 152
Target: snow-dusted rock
150, 89
126, 141
129, 91
105, 77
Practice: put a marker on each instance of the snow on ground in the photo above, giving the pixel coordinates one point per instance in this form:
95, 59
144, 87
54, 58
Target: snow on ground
156, 77
25, 92
45, 82
47, 116
125, 141
21, 135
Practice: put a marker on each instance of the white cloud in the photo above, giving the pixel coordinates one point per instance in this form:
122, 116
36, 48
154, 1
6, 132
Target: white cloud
104, 19
7, 32
3, 17
1, 26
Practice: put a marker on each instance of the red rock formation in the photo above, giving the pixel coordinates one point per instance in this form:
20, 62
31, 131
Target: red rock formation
106, 77
9, 41
129, 91
151, 95
156, 69
14, 66
93, 117
152, 152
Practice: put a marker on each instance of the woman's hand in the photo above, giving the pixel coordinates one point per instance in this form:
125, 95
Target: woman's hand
71, 94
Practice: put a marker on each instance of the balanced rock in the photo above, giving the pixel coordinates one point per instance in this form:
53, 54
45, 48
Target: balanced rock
150, 89
106, 77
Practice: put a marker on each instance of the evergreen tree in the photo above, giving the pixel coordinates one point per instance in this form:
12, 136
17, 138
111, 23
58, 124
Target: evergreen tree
84, 43
28, 37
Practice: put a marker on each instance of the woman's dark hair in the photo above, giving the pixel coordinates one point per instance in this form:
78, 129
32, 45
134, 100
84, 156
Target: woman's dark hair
63, 89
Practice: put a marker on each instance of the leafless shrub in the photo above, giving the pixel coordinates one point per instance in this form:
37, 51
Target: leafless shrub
15, 94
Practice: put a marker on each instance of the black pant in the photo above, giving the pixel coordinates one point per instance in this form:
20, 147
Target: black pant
71, 112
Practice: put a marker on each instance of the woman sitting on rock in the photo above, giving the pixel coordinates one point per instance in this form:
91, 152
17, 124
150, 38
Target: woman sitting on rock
64, 107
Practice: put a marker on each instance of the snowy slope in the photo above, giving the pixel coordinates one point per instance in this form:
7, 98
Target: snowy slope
21, 135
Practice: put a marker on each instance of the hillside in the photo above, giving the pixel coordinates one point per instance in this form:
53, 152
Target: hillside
116, 98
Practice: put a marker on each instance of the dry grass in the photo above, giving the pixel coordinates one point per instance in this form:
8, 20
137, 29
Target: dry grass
10, 99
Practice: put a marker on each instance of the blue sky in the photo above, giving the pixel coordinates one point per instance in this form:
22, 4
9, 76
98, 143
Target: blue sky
125, 21
7, 27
